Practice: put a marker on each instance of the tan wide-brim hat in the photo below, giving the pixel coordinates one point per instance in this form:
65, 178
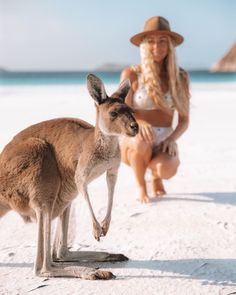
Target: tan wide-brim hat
157, 25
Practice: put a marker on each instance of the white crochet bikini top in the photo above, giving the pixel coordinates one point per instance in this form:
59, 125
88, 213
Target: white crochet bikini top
141, 100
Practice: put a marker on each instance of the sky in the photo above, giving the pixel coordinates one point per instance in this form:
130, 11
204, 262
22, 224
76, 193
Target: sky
64, 35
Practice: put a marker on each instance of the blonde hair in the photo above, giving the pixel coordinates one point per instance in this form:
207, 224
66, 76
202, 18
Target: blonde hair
178, 79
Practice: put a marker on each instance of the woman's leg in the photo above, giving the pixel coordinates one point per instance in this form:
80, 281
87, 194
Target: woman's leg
138, 156
157, 184
163, 166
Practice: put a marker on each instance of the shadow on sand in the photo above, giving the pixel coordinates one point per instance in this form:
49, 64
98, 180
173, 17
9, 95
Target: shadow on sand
204, 197
209, 271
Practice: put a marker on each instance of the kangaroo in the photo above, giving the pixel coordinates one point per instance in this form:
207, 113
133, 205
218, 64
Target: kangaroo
46, 165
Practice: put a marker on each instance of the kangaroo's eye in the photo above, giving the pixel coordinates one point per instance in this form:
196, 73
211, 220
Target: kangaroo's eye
113, 114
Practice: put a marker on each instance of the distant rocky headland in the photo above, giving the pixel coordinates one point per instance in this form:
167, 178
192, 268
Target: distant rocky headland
3, 70
111, 67
227, 63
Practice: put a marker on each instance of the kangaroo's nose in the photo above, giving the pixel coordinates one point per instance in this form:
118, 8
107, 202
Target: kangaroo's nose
134, 126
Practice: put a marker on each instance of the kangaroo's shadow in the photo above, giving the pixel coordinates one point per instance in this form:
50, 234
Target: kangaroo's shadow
209, 271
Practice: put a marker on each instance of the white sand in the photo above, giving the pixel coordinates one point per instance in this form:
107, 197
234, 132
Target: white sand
182, 244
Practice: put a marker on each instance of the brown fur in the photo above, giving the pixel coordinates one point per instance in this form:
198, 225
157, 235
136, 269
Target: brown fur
45, 166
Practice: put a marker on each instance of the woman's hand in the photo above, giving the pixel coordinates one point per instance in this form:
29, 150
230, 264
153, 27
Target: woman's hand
169, 146
145, 131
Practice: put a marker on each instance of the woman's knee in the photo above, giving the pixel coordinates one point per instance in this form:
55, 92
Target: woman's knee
168, 172
140, 151
168, 169
142, 147
138, 157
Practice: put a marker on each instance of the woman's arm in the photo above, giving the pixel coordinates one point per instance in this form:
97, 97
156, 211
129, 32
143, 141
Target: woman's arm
183, 120
169, 145
181, 127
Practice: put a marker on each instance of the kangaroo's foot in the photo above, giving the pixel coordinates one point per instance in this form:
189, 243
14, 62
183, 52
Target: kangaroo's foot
158, 187
89, 256
75, 271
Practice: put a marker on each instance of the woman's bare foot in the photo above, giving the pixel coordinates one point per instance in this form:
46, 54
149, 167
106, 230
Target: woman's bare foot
144, 199
143, 196
158, 187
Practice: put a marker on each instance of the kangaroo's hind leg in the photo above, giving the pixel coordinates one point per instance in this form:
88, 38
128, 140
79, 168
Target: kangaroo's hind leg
44, 265
60, 247
43, 191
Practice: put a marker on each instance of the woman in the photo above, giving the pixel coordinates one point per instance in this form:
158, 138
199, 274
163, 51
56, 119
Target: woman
159, 90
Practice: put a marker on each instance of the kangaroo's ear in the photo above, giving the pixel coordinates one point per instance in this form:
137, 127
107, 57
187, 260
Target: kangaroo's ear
123, 90
96, 88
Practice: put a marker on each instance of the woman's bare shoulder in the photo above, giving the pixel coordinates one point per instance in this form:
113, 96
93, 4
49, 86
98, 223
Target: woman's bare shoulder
129, 73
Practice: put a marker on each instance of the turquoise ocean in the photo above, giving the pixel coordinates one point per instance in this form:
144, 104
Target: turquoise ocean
79, 78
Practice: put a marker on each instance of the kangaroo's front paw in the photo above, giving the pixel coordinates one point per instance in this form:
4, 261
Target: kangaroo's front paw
97, 231
105, 226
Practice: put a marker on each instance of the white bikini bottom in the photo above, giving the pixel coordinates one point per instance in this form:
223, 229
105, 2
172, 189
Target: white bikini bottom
161, 133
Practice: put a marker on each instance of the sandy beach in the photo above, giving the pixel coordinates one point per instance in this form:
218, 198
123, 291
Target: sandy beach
184, 243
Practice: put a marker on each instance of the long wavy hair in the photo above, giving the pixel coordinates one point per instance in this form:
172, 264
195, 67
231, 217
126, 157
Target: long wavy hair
178, 79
